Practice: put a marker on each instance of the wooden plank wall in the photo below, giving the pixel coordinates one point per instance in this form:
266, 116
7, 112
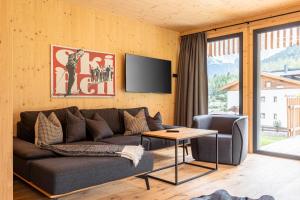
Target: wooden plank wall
38, 24
6, 102
247, 30
293, 114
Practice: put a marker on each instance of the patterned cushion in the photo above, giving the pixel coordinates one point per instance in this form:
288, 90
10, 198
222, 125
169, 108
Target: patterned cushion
48, 130
135, 124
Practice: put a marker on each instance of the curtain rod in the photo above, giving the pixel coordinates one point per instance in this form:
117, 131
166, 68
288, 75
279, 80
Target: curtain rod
248, 22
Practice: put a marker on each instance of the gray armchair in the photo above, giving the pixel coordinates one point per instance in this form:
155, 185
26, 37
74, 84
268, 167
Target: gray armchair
232, 138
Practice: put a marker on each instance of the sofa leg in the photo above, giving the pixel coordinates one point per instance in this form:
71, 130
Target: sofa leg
147, 182
145, 177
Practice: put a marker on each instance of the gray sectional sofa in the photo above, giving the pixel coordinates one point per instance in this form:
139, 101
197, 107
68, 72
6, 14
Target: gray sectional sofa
56, 175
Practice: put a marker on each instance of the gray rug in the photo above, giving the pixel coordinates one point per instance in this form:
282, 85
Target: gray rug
224, 195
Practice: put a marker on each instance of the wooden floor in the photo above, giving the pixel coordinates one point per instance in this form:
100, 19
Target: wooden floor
257, 176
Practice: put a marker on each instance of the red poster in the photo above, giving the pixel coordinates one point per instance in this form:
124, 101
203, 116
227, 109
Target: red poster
81, 73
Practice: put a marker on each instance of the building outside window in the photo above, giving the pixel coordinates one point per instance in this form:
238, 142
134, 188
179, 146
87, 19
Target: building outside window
224, 62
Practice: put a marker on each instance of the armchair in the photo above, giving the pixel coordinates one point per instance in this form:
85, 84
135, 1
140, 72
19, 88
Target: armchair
232, 138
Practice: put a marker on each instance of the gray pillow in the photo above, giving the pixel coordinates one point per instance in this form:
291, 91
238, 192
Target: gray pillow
135, 124
76, 127
98, 128
48, 130
155, 123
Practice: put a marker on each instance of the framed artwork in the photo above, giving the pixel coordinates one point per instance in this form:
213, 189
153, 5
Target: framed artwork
81, 73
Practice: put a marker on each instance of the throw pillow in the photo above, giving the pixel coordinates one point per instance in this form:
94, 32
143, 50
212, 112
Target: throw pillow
48, 130
135, 124
155, 123
76, 127
98, 128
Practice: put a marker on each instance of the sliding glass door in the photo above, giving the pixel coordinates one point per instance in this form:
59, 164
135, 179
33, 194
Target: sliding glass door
277, 90
224, 70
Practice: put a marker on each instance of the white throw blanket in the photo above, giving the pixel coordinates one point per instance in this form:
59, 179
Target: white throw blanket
133, 153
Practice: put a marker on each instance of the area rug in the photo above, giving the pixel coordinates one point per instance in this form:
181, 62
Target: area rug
224, 195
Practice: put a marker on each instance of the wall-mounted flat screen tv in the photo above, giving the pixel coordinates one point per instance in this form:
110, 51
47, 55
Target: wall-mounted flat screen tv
147, 75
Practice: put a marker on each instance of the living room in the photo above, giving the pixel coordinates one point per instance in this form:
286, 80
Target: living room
227, 99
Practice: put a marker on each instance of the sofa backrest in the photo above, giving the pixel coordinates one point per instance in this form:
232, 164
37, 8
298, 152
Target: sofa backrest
114, 118
25, 129
110, 115
223, 123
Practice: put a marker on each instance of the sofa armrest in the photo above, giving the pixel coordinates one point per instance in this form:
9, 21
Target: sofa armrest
27, 150
170, 126
240, 139
202, 121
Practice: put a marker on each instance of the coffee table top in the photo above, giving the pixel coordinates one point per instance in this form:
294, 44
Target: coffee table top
184, 133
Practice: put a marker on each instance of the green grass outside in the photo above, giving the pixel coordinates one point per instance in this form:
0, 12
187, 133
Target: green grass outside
267, 139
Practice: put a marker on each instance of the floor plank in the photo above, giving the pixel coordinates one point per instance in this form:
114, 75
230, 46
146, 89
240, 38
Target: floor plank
256, 176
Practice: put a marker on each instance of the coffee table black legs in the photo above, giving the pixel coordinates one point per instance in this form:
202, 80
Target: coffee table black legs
176, 164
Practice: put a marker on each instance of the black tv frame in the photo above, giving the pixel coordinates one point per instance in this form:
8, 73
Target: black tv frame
154, 92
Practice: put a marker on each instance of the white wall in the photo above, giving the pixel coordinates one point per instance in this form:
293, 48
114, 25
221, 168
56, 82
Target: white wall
269, 107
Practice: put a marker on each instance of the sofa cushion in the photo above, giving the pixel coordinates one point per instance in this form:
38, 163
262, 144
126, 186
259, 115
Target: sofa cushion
135, 124
98, 128
76, 127
28, 119
132, 111
27, 150
48, 130
110, 115
204, 148
127, 140
65, 174
155, 123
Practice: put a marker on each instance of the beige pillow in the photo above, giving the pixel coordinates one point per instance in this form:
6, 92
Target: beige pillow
48, 130
135, 124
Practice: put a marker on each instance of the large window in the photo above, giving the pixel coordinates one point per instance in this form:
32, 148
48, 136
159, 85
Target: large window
224, 70
277, 79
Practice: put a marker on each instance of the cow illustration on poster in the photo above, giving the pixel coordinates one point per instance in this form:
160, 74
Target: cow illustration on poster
81, 73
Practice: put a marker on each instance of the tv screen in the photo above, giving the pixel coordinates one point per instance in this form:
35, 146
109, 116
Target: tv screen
144, 74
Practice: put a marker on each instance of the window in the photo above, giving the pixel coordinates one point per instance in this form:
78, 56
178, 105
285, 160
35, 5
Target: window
262, 115
263, 99
224, 70
268, 84
276, 69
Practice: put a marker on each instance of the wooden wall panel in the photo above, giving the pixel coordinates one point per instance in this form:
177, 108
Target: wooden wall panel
5, 102
38, 24
247, 30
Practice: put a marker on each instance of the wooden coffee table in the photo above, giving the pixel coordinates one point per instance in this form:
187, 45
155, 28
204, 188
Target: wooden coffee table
183, 135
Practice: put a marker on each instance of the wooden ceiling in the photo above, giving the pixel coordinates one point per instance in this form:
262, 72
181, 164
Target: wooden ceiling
183, 15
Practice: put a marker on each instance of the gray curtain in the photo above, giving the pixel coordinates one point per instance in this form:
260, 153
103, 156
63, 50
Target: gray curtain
191, 92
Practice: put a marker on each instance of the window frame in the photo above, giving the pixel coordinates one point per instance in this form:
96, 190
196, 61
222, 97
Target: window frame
226, 37
256, 89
